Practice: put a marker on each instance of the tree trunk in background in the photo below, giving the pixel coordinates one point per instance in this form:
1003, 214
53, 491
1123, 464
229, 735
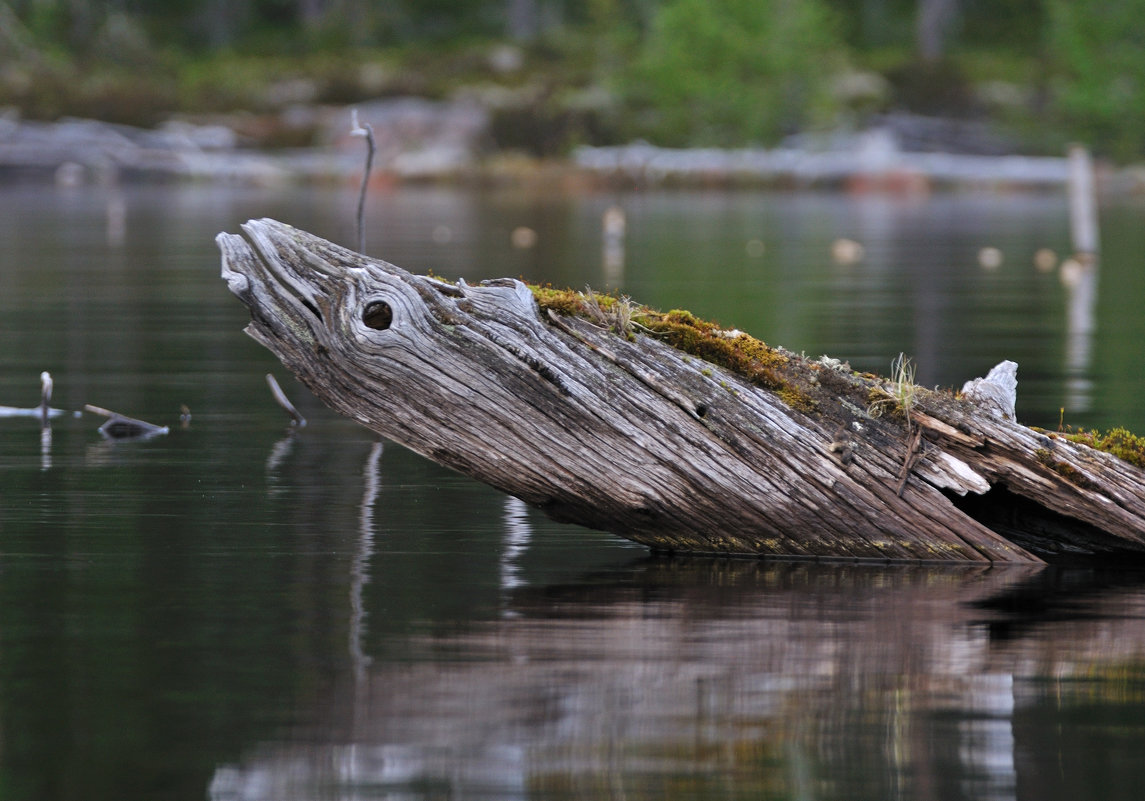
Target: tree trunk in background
356, 17
83, 23
222, 21
522, 19
311, 12
935, 18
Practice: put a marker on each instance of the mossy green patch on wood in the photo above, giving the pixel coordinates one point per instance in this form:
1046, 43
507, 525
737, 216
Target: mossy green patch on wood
735, 351
796, 398
567, 302
1068, 472
740, 353
1117, 441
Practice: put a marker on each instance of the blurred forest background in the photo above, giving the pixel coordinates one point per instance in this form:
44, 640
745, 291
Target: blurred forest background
559, 73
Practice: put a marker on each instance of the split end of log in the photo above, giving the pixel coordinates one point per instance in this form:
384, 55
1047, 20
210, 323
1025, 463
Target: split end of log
997, 393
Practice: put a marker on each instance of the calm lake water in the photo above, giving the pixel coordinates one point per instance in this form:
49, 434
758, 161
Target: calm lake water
238, 612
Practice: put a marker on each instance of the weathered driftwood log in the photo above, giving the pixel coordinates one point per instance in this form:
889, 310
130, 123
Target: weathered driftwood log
671, 432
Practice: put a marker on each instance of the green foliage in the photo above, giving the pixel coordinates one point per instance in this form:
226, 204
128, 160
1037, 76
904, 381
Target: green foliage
678, 72
1098, 72
730, 72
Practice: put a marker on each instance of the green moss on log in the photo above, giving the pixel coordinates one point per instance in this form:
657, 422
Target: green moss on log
735, 351
1118, 441
566, 302
1068, 472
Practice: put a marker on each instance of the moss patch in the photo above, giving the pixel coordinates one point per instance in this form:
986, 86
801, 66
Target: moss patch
566, 302
1069, 473
735, 351
741, 354
1118, 441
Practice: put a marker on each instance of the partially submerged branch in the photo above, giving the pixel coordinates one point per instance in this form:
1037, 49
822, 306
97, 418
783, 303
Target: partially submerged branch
45, 397
119, 426
43, 410
280, 398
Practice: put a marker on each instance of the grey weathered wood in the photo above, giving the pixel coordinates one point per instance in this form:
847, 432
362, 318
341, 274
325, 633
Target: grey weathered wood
635, 437
997, 393
44, 411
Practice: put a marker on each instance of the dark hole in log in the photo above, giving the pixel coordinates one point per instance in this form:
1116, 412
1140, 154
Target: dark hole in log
1052, 536
312, 307
378, 315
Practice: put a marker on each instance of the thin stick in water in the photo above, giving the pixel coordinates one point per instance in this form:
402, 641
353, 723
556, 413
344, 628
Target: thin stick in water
45, 398
280, 396
367, 131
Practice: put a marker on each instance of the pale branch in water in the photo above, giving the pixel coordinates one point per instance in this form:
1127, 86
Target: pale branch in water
296, 417
45, 397
43, 410
670, 431
119, 426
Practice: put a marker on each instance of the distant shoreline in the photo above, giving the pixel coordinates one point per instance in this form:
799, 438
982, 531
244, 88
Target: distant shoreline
74, 152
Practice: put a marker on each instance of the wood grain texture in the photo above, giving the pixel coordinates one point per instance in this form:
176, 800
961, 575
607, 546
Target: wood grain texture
630, 435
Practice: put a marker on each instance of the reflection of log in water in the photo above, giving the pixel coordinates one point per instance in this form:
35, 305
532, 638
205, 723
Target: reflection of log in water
778, 678
518, 532
359, 568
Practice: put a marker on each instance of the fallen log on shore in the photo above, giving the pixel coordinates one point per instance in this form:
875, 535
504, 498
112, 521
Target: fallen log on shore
670, 431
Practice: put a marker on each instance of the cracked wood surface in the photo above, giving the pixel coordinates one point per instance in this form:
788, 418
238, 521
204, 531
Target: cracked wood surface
630, 435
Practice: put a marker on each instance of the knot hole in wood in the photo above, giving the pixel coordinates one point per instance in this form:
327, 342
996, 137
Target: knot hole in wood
378, 315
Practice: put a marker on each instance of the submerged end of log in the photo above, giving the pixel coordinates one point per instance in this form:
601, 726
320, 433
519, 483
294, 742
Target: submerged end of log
670, 430
122, 427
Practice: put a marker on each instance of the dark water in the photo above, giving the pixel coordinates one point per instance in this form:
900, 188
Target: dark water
235, 611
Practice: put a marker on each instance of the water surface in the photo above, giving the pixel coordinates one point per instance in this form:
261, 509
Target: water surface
240, 610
